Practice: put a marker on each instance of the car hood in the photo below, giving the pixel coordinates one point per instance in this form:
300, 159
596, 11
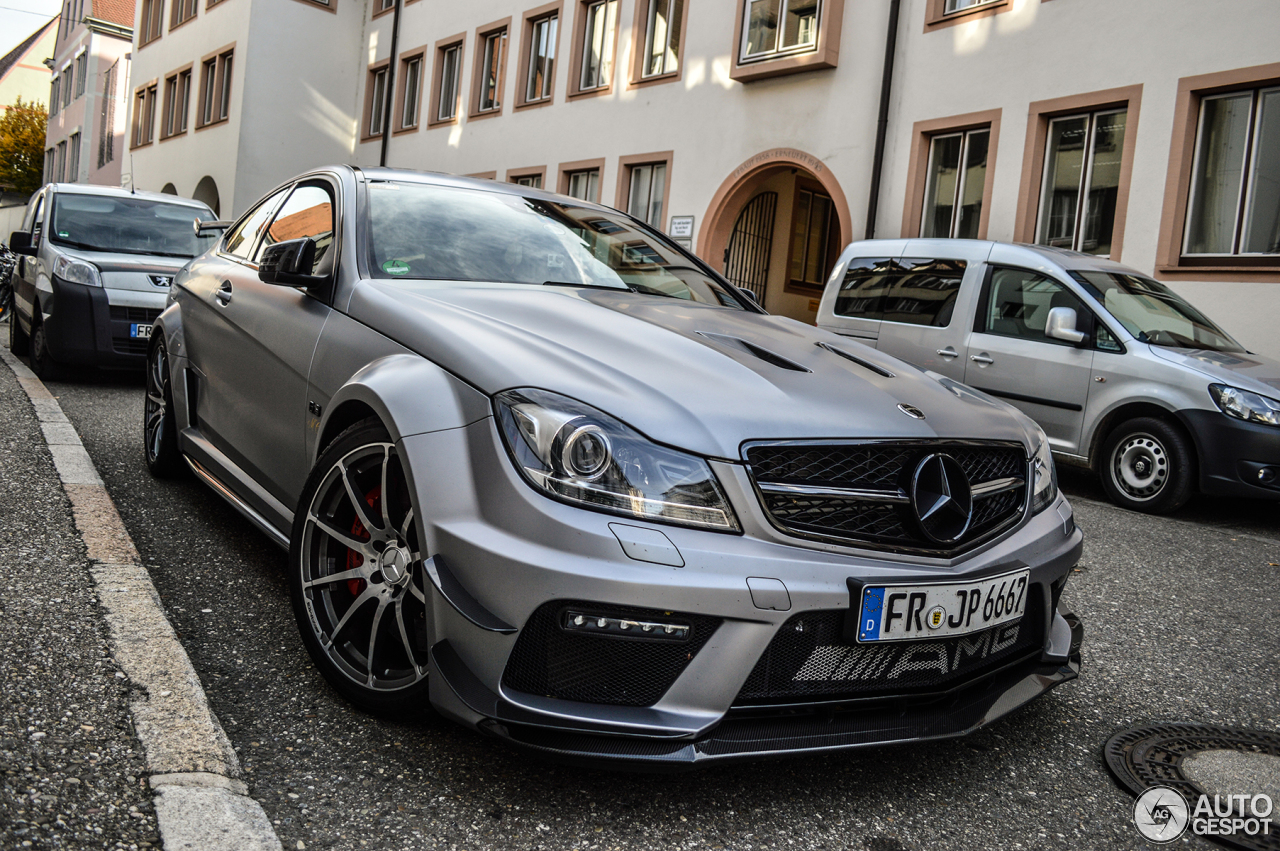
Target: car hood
1247, 371
698, 377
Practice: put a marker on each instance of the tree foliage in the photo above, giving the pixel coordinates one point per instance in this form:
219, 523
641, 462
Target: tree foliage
22, 133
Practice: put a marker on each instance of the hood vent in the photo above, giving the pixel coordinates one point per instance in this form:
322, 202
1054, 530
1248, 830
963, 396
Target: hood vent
865, 364
755, 351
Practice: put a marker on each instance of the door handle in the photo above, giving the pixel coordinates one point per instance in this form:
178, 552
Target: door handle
948, 353
223, 295
982, 359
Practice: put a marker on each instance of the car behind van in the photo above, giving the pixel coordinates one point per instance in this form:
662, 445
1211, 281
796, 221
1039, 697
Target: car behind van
94, 271
1123, 374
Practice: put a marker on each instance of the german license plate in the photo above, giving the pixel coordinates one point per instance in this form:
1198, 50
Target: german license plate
140, 332
913, 612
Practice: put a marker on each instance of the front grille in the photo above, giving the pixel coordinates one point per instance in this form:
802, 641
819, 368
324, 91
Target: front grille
144, 315
120, 339
550, 661
880, 515
810, 660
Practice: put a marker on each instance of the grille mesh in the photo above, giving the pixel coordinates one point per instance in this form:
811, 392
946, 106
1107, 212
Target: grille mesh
886, 468
809, 659
549, 661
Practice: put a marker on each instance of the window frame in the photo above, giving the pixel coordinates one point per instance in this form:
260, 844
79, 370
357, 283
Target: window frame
388, 6
175, 79
622, 196
212, 88
578, 53
150, 26
82, 71
442, 48
501, 30
144, 115
324, 291
802, 287
405, 97
177, 7
922, 135
937, 17
1171, 264
567, 170
640, 43
73, 156
515, 174
1040, 114
549, 12
824, 54
374, 111
55, 94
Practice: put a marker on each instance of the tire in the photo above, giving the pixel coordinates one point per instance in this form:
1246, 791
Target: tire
159, 426
356, 576
19, 342
1148, 465
42, 362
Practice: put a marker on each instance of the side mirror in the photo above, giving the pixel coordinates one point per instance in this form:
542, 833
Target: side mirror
750, 296
20, 243
1061, 325
202, 227
289, 263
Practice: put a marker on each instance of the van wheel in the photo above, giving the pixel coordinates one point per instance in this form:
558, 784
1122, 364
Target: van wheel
42, 362
1148, 465
19, 342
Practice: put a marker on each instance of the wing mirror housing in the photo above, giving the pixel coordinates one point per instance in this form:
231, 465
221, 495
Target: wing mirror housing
20, 243
202, 227
289, 263
1061, 325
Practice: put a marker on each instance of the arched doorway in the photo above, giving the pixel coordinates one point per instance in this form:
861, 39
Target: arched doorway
776, 226
207, 191
169, 189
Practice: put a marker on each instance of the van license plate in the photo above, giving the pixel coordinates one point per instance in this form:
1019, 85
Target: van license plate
140, 332
913, 612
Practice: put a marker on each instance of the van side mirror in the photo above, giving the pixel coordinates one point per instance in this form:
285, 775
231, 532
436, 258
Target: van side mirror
1061, 325
289, 263
20, 243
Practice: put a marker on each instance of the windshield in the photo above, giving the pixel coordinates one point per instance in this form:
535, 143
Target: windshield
447, 233
1154, 313
129, 225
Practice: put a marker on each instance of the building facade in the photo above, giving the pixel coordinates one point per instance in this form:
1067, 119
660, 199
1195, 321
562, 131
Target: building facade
23, 73
87, 115
1146, 131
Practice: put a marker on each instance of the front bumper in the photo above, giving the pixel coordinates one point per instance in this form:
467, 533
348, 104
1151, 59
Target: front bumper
91, 326
502, 550
1236, 458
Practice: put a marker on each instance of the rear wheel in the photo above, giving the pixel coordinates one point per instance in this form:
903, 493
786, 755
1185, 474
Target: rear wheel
159, 428
42, 362
1148, 465
356, 574
19, 342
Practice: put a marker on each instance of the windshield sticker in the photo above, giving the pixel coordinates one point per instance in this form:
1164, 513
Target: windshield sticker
395, 267
64, 234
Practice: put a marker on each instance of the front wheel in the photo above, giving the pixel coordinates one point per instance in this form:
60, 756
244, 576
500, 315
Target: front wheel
159, 428
356, 575
42, 362
1148, 465
19, 342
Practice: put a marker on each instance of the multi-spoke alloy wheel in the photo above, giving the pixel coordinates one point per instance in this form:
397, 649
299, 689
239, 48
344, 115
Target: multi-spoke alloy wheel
357, 573
1148, 466
159, 431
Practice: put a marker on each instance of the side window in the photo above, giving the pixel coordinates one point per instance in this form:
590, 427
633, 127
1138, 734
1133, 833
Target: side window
241, 239
866, 283
307, 213
924, 292
1018, 304
35, 218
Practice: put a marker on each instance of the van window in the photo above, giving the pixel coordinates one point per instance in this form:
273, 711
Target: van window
1018, 304
915, 292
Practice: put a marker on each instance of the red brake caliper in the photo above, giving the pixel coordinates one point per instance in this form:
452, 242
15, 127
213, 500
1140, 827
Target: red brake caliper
354, 559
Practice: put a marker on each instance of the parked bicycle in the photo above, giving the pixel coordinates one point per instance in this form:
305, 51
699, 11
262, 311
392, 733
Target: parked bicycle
8, 262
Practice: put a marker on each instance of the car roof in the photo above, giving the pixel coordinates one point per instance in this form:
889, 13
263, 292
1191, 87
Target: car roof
1023, 253
435, 178
117, 192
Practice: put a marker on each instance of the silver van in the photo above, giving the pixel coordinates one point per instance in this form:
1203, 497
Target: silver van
94, 268
1124, 375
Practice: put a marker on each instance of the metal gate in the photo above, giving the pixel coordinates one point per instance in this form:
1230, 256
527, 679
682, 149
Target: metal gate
746, 260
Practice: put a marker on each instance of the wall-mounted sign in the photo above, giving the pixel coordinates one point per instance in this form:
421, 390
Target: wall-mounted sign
681, 227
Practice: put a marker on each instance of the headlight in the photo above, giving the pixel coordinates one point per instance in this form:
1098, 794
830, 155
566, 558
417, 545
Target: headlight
77, 271
1244, 405
579, 455
1044, 485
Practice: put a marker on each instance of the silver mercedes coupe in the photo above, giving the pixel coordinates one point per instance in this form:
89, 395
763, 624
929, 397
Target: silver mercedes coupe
541, 469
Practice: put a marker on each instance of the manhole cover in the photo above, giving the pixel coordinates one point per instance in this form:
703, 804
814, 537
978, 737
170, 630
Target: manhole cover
1157, 756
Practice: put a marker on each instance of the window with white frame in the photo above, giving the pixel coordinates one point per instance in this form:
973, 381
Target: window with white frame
542, 50
55, 95
412, 92
955, 182
647, 192
144, 115
662, 37
377, 101
1082, 171
150, 21
492, 71
450, 70
598, 42
60, 170
585, 185
68, 85
177, 104
780, 27
1234, 205
82, 69
953, 6
49, 157
215, 89
533, 181
73, 158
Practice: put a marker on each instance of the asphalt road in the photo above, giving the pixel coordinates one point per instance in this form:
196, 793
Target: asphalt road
1180, 617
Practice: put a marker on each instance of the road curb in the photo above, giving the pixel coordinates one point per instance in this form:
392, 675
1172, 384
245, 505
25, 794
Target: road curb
201, 804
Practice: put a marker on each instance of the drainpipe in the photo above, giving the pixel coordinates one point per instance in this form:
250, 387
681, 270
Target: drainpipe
882, 127
391, 84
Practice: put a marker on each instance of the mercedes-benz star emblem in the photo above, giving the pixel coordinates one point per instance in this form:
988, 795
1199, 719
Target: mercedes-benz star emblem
912, 411
941, 498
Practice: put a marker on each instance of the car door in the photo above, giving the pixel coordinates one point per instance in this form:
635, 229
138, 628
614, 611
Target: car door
928, 302
27, 271
256, 342
1010, 356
